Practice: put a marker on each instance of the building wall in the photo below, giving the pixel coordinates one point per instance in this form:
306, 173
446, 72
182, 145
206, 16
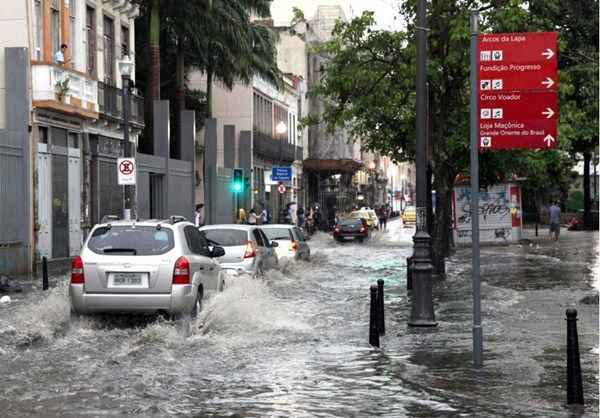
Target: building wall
282, 14
15, 33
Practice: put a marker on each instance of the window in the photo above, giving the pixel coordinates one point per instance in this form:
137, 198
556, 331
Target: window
73, 140
90, 28
59, 137
109, 51
258, 238
55, 26
43, 137
196, 241
73, 40
226, 237
131, 240
124, 41
38, 30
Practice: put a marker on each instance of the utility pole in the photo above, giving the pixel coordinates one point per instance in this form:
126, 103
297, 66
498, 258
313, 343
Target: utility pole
422, 298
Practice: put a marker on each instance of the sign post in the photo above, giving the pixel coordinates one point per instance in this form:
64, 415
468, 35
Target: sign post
514, 104
126, 177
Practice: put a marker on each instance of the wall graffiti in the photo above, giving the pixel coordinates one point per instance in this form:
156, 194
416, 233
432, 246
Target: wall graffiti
495, 214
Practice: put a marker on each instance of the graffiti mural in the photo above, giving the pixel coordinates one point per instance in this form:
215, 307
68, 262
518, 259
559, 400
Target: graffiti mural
496, 211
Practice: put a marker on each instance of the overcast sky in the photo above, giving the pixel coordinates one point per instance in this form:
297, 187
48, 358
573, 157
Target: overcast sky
385, 12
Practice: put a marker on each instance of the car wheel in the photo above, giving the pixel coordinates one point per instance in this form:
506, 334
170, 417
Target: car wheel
197, 305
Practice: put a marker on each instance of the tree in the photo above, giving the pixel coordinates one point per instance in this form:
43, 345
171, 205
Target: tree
369, 83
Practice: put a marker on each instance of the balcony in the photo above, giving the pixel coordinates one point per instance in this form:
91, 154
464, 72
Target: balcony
64, 90
275, 150
110, 101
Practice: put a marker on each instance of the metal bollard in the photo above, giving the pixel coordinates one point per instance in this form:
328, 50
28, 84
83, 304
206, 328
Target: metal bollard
373, 334
574, 382
380, 308
44, 273
409, 262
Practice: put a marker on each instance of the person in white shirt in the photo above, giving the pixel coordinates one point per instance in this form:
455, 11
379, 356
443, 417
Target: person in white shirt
199, 219
252, 217
59, 56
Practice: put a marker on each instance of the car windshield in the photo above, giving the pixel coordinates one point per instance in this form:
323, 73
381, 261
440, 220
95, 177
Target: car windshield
131, 240
226, 237
410, 209
350, 222
358, 215
277, 233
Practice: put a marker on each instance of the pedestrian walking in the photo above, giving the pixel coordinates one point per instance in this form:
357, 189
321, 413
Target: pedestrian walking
383, 217
264, 216
252, 217
301, 217
199, 215
555, 221
241, 219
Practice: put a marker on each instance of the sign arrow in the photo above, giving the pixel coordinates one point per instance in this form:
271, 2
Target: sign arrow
548, 82
548, 53
549, 139
548, 113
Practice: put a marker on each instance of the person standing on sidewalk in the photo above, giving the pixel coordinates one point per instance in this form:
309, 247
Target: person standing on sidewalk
252, 217
199, 216
555, 221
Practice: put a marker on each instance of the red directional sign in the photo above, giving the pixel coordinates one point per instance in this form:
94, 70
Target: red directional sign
517, 90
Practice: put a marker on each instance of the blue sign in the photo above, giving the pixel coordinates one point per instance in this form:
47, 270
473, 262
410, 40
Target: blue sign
281, 174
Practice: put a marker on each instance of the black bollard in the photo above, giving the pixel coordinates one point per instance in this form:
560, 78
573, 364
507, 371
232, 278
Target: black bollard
574, 383
44, 273
373, 334
409, 261
380, 308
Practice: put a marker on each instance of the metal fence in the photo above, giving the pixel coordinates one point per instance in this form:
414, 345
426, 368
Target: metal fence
274, 149
110, 103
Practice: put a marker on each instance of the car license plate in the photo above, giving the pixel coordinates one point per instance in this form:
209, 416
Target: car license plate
127, 280
348, 238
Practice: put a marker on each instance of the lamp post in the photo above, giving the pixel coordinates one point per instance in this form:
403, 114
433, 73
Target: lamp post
372, 166
422, 299
281, 129
126, 68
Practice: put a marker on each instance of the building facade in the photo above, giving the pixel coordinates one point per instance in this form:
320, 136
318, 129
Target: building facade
75, 113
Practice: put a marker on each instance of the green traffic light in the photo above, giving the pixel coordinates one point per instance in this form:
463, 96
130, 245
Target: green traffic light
237, 187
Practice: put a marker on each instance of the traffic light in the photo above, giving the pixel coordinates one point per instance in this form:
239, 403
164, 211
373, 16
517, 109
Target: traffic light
238, 180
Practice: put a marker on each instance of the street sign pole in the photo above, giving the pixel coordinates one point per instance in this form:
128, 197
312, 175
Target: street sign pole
477, 328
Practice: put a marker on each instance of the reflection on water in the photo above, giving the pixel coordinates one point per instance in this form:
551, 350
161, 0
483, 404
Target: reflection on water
295, 344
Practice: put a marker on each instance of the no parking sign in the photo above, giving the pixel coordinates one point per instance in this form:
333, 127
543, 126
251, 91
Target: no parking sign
126, 171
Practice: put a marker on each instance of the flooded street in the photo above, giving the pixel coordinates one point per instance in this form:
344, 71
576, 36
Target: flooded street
296, 344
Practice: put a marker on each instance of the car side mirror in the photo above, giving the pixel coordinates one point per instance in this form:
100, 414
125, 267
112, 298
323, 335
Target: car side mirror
274, 244
217, 252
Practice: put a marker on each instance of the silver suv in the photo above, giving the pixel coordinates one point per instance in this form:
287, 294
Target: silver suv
145, 267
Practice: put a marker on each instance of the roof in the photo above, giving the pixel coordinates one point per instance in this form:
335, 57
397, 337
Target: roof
241, 227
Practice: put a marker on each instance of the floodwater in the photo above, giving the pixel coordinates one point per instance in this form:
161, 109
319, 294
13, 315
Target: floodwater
296, 344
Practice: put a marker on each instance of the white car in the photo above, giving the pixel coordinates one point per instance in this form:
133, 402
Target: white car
290, 240
247, 248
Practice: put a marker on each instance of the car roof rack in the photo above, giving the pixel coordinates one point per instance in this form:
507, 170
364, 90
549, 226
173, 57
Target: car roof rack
107, 218
176, 218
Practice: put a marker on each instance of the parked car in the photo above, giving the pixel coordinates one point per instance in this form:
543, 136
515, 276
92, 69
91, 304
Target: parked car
351, 229
409, 215
247, 248
367, 214
145, 267
290, 240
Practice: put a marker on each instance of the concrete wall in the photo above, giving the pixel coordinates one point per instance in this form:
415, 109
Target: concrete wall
15, 33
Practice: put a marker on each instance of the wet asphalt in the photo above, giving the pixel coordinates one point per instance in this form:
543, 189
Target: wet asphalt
296, 344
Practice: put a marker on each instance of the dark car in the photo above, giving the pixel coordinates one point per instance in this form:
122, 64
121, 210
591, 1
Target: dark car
351, 229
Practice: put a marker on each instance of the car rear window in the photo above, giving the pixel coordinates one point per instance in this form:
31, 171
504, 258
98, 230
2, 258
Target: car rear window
350, 222
277, 233
226, 237
131, 240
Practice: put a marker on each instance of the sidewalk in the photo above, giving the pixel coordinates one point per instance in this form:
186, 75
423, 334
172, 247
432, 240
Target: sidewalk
525, 292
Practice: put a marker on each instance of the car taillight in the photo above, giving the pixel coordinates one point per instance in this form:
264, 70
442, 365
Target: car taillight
250, 250
77, 276
362, 229
181, 272
337, 229
293, 246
